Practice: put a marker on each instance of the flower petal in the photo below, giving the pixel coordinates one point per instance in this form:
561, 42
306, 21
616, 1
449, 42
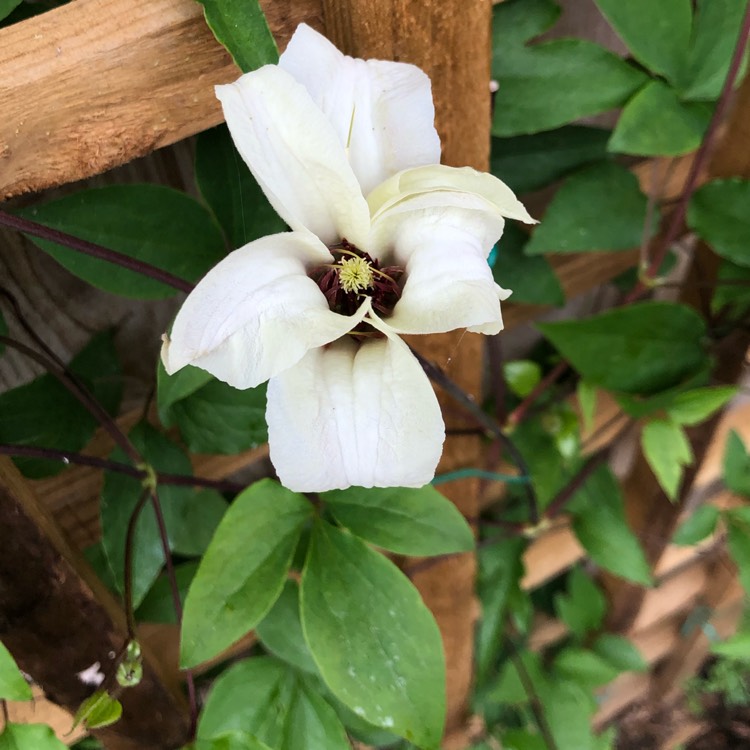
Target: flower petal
381, 111
294, 154
256, 313
354, 414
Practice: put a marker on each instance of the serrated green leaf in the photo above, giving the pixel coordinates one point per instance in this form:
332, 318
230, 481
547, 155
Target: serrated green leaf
381, 654
408, 521
620, 653
587, 395
98, 710
241, 27
13, 686
737, 647
29, 737
737, 465
584, 667
530, 162
643, 348
152, 223
656, 123
583, 608
700, 524
718, 212
532, 280
732, 288
45, 414
657, 34
601, 207
667, 451
231, 191
522, 376
263, 697
601, 527
692, 407
244, 569
737, 521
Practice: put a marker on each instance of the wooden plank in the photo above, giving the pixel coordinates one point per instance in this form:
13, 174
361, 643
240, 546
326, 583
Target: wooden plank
97, 83
549, 555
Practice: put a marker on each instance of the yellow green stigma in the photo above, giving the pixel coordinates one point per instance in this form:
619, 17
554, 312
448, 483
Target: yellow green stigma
355, 274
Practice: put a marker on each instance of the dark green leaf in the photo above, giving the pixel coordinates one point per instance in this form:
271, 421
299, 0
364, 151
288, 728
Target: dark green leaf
518, 739
517, 21
692, 407
45, 414
737, 647
510, 688
700, 524
738, 538
280, 631
737, 465
193, 519
241, 27
656, 123
13, 687
732, 288
600, 524
656, 33
408, 521
522, 376
532, 280
157, 605
231, 191
7, 7
530, 162
718, 212
668, 452
584, 667
151, 223
599, 208
244, 569
620, 653
380, 653
642, 348
582, 609
173, 388
29, 737
266, 699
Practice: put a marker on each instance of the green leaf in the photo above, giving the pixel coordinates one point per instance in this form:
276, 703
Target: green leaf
657, 34
271, 702
568, 708
7, 7
157, 605
620, 653
718, 213
234, 740
639, 349
668, 452
530, 162
583, 608
241, 27
732, 288
98, 710
173, 388
656, 123
587, 395
737, 647
13, 686
522, 376
519, 739
737, 465
700, 524
380, 653
520, 20
231, 191
151, 223
532, 280
44, 413
692, 407
29, 737
244, 569
600, 524
584, 667
510, 688
737, 521
408, 521
280, 631
599, 208
716, 27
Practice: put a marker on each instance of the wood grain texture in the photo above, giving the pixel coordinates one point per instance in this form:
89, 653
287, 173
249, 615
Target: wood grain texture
97, 83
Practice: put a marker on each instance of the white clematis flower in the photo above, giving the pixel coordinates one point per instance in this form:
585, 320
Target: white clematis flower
384, 241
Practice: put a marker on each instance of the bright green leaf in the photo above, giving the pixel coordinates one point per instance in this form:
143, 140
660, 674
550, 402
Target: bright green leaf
241, 27
656, 33
244, 569
738, 539
151, 223
700, 524
692, 407
584, 667
568, 709
587, 395
380, 652
519, 739
599, 208
732, 288
231, 191
642, 348
158, 605
620, 653
667, 451
409, 521
98, 710
234, 740
718, 212
530, 162
656, 123
737, 647
583, 608
737, 465
13, 687
30, 737
522, 376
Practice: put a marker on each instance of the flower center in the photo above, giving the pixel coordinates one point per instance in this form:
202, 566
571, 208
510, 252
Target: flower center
355, 274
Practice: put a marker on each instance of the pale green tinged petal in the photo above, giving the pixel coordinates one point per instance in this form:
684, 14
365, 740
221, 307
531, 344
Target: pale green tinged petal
256, 313
382, 112
294, 154
354, 414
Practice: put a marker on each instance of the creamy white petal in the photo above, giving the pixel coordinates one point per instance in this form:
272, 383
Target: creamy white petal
295, 155
454, 179
381, 111
256, 313
354, 414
